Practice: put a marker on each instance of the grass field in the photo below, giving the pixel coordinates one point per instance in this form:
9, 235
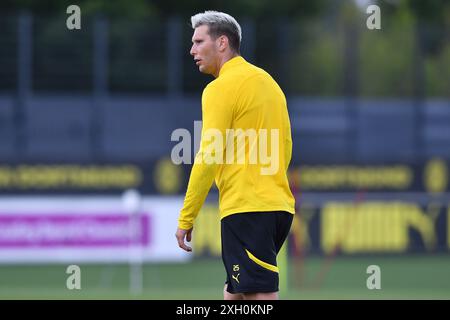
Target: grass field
402, 277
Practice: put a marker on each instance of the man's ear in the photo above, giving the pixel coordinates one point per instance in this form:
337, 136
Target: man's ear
223, 43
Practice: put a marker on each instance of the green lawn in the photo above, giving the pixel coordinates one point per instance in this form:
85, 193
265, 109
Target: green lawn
402, 277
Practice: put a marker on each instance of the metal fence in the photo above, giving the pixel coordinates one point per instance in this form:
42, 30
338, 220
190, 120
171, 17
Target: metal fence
116, 88
316, 57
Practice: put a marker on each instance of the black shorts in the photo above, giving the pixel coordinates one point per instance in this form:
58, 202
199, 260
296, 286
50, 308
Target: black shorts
250, 244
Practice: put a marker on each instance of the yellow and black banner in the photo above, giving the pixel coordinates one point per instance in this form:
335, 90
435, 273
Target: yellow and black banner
349, 227
162, 176
430, 176
152, 177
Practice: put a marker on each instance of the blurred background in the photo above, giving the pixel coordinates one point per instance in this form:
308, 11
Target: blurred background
87, 114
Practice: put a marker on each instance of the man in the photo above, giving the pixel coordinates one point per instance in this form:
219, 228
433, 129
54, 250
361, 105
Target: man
255, 202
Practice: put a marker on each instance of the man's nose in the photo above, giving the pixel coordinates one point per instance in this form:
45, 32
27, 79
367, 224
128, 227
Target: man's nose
192, 52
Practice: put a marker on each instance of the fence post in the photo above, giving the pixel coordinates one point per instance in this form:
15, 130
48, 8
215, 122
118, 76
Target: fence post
351, 86
419, 83
100, 85
24, 79
248, 39
174, 57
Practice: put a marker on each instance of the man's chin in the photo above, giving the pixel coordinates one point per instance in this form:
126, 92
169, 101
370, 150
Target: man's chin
203, 70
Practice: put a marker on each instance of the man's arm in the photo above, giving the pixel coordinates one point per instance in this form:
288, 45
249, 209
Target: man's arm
217, 117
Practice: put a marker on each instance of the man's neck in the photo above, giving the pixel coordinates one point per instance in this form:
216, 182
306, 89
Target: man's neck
223, 60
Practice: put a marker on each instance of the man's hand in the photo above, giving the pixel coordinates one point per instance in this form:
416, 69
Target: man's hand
180, 235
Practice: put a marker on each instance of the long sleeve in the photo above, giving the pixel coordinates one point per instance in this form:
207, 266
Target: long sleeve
217, 117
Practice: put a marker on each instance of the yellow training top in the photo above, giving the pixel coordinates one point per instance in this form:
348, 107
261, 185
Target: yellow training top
246, 145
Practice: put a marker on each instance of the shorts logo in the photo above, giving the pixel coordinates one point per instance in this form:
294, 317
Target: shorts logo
235, 269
